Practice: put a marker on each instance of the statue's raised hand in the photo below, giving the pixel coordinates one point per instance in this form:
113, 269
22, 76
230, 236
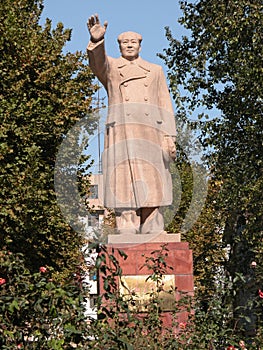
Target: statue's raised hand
96, 30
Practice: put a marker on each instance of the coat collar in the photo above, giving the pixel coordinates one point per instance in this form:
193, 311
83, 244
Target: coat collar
130, 70
139, 62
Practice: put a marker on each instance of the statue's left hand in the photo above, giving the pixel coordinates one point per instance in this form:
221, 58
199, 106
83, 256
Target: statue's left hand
168, 147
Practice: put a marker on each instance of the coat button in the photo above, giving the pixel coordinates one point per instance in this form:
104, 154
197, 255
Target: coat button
125, 84
146, 84
145, 98
126, 98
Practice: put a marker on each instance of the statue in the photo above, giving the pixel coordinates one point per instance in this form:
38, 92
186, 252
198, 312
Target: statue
140, 133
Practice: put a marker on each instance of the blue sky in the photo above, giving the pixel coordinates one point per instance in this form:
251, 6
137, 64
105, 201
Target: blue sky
149, 18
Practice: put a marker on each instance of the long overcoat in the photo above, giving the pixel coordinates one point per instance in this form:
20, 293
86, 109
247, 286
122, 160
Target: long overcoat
139, 133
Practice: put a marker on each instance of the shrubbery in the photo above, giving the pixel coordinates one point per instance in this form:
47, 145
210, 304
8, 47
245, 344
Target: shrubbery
38, 312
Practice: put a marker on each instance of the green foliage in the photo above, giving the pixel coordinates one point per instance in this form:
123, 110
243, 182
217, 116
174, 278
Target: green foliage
44, 92
215, 74
36, 311
219, 66
205, 239
39, 313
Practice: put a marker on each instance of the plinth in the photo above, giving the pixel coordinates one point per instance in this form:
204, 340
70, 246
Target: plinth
178, 272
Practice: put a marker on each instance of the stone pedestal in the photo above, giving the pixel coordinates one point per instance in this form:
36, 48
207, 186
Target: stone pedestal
124, 240
134, 271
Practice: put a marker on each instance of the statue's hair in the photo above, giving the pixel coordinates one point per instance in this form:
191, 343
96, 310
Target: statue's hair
136, 36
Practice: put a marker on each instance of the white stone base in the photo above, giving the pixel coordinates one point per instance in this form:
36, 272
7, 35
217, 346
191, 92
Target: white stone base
130, 238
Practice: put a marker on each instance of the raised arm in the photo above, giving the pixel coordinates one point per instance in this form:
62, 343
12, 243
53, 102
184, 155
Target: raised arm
98, 61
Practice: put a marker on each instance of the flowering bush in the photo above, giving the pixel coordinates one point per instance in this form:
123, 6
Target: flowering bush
36, 312
39, 313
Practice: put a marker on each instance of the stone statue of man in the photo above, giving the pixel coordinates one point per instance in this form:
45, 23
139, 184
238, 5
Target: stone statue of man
139, 136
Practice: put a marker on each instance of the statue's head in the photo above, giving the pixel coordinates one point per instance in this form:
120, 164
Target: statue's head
130, 45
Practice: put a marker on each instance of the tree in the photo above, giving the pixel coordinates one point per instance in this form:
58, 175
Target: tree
215, 75
44, 92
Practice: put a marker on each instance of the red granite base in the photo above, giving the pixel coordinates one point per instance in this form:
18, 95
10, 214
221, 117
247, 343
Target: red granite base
179, 258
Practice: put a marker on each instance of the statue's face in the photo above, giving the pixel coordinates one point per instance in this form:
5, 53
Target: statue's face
130, 47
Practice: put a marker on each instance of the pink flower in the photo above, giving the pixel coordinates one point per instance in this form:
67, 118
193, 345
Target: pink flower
253, 264
2, 281
19, 346
242, 345
42, 269
260, 293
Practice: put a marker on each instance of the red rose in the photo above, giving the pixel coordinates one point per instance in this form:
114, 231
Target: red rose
42, 269
260, 293
2, 281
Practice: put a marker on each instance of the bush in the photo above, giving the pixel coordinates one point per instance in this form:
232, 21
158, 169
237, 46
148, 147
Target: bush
38, 312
